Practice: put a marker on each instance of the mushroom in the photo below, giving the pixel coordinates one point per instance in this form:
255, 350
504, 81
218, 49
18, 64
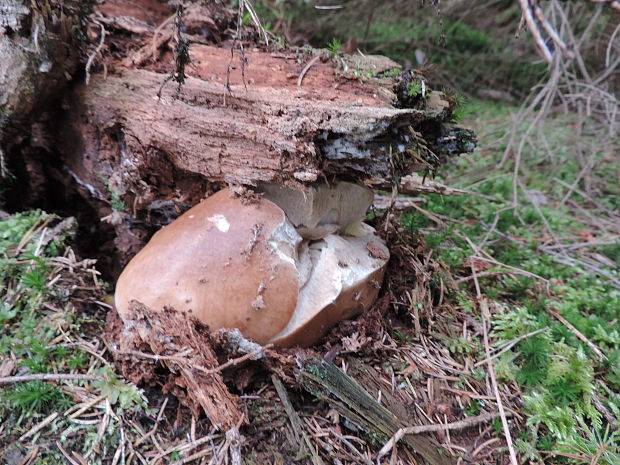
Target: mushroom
322, 209
234, 263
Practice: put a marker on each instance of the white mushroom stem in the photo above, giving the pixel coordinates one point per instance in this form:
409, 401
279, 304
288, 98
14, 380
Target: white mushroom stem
323, 209
340, 277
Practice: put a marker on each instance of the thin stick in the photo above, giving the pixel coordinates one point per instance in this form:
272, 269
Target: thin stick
155, 426
48, 377
514, 269
429, 215
92, 56
479, 252
30, 457
569, 261
587, 197
85, 407
180, 357
500, 406
526, 10
300, 435
551, 31
248, 6
579, 334
579, 245
482, 274
461, 424
238, 360
185, 447
352, 448
66, 454
306, 69
38, 427
198, 455
512, 343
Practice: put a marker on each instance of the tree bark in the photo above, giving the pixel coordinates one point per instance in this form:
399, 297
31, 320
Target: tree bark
39, 53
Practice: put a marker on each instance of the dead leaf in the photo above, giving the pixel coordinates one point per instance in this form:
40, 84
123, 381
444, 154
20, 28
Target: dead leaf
7, 367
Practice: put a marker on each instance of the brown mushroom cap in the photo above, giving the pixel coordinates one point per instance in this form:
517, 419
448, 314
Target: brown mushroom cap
231, 264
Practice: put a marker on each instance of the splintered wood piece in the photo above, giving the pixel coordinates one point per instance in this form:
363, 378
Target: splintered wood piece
325, 380
182, 345
303, 441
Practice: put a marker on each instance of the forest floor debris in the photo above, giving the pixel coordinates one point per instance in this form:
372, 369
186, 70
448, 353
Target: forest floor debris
422, 339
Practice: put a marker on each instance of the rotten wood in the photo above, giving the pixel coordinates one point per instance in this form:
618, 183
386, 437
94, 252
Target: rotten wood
38, 55
193, 375
325, 380
270, 131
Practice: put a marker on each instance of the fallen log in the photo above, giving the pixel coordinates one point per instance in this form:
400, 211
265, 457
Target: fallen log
269, 130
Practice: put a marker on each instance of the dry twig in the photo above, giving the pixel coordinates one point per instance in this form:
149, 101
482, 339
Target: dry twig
462, 424
48, 377
500, 406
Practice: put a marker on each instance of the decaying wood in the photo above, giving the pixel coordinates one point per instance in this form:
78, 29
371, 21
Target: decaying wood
182, 345
268, 130
263, 114
325, 380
